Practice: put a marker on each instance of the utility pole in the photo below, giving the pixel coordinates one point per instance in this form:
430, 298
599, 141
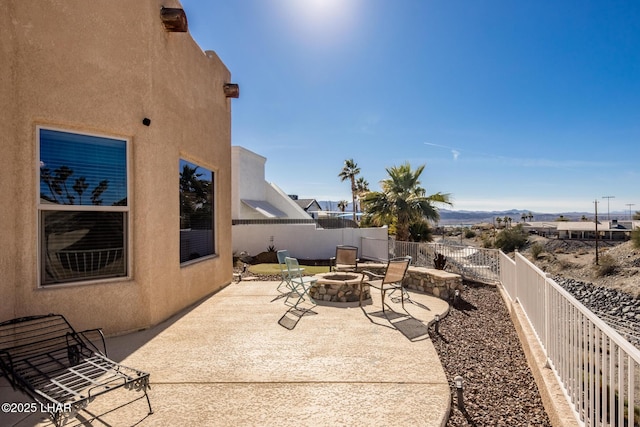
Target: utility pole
629, 205
596, 204
608, 198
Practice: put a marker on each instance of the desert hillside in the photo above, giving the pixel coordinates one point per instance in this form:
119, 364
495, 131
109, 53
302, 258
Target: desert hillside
618, 267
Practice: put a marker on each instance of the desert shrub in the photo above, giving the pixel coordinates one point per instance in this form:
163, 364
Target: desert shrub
420, 231
635, 237
607, 265
536, 249
487, 242
511, 239
469, 233
439, 262
563, 264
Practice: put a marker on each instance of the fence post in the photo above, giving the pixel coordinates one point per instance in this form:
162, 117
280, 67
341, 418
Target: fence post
547, 317
516, 292
516, 285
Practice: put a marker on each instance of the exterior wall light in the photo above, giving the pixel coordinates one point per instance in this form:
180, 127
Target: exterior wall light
231, 90
459, 383
174, 20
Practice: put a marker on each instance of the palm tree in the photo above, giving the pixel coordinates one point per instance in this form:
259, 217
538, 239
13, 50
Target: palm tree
342, 205
402, 201
499, 221
62, 173
96, 194
194, 195
80, 186
362, 187
349, 172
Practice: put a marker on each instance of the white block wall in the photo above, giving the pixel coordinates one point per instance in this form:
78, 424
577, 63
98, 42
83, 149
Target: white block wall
304, 241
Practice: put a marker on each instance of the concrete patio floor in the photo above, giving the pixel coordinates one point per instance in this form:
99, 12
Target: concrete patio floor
243, 358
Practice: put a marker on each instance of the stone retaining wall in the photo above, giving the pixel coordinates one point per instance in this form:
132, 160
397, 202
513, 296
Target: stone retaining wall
439, 283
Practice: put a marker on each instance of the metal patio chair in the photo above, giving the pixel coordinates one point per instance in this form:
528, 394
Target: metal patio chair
62, 369
284, 273
346, 259
391, 280
300, 284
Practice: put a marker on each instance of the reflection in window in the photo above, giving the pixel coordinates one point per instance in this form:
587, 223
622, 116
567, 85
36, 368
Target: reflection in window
196, 212
83, 207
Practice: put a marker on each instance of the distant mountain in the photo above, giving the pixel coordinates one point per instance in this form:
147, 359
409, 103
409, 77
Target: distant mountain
475, 217
451, 217
332, 206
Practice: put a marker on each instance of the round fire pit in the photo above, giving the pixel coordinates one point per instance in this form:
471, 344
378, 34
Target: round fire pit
339, 287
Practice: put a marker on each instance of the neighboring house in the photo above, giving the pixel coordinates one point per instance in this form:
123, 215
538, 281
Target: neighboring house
265, 217
607, 230
116, 154
253, 198
542, 228
310, 206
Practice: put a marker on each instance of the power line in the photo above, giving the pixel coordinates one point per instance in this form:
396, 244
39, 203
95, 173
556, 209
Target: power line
608, 198
629, 205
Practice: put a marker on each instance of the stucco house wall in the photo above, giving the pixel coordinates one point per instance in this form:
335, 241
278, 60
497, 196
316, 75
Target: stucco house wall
100, 69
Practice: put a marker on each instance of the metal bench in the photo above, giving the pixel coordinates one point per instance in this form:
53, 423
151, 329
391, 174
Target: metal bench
60, 369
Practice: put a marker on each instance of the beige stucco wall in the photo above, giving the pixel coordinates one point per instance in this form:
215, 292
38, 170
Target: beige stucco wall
101, 67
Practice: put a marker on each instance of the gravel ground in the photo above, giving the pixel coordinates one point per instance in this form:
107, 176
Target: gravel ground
477, 340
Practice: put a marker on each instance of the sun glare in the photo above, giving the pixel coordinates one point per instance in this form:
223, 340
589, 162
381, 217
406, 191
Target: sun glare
322, 21
322, 9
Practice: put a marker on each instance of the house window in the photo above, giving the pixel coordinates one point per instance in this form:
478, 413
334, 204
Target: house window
196, 212
83, 207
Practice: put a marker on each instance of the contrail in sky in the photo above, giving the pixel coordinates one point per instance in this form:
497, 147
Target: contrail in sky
454, 151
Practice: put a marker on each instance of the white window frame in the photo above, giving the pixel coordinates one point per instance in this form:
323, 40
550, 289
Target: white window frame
41, 207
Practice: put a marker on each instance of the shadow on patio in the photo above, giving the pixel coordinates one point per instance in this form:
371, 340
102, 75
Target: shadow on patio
229, 361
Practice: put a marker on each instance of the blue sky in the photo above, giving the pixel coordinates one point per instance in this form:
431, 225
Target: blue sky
530, 105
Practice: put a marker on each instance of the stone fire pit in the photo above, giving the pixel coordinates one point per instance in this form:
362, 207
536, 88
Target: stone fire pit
339, 287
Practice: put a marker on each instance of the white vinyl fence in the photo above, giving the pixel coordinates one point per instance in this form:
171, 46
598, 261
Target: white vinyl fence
597, 368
